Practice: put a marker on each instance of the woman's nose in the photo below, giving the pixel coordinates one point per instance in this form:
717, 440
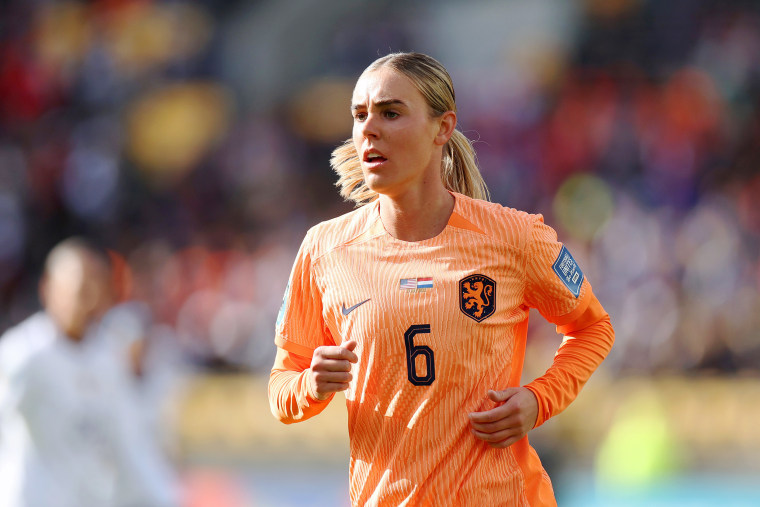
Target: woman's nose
370, 127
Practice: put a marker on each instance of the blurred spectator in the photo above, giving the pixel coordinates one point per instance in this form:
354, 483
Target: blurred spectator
155, 364
72, 433
182, 134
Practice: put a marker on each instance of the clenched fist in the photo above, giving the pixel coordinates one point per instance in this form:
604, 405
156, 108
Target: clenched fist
330, 369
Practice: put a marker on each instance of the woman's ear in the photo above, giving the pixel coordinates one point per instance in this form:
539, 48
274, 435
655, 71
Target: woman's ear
447, 122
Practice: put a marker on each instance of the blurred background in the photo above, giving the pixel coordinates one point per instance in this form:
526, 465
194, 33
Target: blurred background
192, 139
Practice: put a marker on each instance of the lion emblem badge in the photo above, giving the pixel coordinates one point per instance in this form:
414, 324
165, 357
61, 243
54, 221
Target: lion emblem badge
477, 297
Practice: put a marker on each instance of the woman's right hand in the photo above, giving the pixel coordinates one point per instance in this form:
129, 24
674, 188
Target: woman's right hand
330, 369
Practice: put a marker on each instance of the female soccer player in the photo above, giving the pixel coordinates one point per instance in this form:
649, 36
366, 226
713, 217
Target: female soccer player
416, 305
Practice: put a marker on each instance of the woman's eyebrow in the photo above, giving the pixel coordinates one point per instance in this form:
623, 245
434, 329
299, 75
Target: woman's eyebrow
380, 103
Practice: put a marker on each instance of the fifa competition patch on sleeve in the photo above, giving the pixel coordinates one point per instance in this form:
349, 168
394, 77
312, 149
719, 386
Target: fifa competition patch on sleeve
568, 271
283, 307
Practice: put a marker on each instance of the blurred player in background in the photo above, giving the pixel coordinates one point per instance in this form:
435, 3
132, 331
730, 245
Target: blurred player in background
72, 434
416, 305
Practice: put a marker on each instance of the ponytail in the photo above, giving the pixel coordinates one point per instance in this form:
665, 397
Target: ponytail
345, 162
459, 171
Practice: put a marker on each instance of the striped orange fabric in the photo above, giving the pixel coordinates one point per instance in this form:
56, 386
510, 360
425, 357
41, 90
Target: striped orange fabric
438, 322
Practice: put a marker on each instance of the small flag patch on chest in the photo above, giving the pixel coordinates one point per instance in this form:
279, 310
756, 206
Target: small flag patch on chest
408, 284
568, 271
425, 282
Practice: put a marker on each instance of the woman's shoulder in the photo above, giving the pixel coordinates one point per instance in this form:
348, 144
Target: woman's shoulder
493, 218
331, 233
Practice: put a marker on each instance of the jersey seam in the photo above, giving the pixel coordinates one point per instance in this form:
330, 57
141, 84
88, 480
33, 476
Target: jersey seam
318, 260
521, 247
292, 342
315, 259
343, 244
461, 230
524, 247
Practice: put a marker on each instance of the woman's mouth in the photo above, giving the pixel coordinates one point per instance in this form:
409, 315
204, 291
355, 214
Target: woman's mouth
373, 159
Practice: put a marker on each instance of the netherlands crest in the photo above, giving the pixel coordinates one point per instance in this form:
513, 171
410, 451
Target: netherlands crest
477, 296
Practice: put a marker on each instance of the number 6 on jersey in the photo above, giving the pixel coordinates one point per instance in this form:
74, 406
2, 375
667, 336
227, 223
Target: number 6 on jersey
412, 351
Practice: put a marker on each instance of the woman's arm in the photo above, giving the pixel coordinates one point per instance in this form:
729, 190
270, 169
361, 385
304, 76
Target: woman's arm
289, 397
301, 387
588, 340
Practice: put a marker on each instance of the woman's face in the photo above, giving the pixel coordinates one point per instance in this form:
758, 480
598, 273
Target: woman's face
76, 292
398, 141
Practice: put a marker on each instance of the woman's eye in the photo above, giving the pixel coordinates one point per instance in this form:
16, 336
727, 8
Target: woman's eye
391, 114
360, 116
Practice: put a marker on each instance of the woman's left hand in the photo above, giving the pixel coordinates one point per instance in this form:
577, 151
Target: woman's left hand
509, 422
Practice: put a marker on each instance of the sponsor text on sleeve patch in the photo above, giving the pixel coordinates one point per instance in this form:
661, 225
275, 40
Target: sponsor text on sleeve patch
568, 271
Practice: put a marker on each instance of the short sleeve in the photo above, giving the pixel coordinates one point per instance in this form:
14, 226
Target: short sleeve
555, 284
300, 326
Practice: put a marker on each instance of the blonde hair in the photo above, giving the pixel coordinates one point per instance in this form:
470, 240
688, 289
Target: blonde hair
459, 168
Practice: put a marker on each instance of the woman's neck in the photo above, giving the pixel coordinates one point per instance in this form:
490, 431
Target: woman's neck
416, 216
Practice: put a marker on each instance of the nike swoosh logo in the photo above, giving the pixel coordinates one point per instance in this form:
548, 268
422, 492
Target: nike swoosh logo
346, 311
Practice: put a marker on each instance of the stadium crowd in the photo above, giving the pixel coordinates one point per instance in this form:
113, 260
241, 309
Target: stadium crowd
192, 139
146, 126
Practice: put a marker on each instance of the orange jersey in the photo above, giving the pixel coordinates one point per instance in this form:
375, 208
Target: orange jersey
438, 323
